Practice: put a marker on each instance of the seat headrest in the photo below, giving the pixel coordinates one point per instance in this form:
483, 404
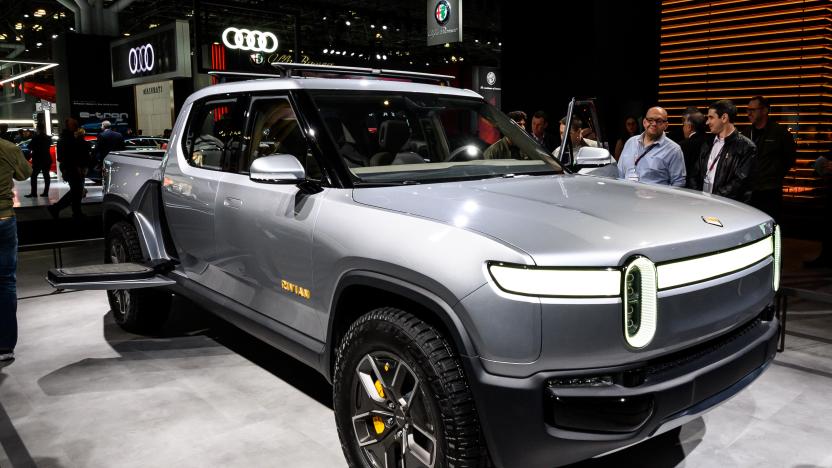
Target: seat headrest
392, 135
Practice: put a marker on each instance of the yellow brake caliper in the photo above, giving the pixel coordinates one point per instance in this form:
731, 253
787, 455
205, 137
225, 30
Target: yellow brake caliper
378, 425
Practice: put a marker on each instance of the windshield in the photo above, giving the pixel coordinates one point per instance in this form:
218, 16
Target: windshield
390, 138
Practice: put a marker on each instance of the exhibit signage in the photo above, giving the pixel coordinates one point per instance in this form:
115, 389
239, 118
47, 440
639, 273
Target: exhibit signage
161, 53
444, 21
487, 84
249, 40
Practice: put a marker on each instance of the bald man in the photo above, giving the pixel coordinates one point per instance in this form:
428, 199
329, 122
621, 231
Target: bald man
652, 157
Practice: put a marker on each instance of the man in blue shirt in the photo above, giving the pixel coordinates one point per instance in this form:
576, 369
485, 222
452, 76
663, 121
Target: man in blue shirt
652, 157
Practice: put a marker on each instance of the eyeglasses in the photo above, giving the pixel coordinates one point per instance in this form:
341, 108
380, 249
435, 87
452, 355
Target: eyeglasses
655, 121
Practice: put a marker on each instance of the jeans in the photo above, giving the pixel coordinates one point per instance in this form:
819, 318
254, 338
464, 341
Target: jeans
8, 287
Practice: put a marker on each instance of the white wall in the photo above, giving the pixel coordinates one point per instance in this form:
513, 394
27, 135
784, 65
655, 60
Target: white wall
154, 107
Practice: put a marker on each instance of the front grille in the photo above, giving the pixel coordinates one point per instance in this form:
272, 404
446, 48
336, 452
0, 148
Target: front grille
681, 358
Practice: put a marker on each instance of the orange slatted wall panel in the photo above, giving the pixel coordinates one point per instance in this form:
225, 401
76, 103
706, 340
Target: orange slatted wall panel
735, 49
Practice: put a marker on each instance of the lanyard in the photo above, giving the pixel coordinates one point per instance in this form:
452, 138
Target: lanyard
649, 148
716, 159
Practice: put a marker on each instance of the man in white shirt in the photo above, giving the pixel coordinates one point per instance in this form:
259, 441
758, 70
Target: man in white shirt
652, 157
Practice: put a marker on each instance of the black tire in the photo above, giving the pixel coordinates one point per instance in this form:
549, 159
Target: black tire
403, 352
135, 310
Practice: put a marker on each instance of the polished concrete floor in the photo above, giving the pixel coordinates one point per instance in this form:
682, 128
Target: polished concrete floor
83, 393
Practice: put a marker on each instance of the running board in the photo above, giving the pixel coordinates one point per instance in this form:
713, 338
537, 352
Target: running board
111, 276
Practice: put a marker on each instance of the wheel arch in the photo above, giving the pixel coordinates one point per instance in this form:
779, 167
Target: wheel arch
358, 292
146, 214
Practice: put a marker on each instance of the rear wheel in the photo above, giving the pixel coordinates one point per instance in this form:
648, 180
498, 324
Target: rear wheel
401, 397
134, 310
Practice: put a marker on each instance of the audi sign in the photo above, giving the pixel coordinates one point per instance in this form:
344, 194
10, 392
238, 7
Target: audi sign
249, 40
141, 59
158, 54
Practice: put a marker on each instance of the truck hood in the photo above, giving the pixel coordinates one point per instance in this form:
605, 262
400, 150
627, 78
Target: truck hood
577, 220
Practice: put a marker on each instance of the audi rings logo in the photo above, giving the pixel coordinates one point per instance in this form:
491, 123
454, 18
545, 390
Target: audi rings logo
141, 59
249, 40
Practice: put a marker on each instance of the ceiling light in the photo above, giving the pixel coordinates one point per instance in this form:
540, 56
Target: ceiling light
378, 57
152, 25
39, 44
352, 54
384, 57
40, 12
54, 36
326, 50
25, 16
347, 22
378, 35
324, 18
41, 67
126, 34
384, 27
372, 26
18, 26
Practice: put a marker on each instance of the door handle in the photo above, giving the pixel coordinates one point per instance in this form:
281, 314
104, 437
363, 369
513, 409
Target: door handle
232, 202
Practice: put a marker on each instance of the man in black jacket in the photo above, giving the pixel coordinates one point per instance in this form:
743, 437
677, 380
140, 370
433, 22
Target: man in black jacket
726, 161
108, 140
775, 156
540, 122
39, 151
695, 132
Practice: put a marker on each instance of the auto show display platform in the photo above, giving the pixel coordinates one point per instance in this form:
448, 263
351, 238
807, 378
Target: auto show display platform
84, 393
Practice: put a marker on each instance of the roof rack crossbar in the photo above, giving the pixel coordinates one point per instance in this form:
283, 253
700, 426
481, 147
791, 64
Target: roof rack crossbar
289, 70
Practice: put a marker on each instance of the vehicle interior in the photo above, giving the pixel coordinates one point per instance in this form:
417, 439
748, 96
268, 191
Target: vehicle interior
384, 132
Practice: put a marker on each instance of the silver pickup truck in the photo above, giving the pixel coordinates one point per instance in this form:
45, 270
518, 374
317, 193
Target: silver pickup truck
471, 300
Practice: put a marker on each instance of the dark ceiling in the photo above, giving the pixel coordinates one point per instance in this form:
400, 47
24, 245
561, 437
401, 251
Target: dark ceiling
323, 25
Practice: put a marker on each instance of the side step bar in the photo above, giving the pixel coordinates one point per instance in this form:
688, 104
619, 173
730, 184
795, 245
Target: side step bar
111, 276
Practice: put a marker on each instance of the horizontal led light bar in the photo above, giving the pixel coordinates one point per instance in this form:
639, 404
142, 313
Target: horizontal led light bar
42, 67
534, 281
700, 269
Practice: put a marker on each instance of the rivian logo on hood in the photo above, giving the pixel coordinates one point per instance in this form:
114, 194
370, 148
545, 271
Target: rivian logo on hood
712, 220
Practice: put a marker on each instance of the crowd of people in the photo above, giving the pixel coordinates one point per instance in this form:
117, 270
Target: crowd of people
713, 156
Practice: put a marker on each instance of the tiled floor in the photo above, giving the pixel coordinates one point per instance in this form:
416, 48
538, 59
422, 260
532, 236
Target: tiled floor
86, 394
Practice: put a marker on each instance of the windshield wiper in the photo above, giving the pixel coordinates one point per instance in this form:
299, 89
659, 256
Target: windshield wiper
392, 183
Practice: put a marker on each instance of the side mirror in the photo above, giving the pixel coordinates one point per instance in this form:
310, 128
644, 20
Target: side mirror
589, 156
277, 169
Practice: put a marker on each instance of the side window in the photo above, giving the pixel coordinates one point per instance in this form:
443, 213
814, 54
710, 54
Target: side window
213, 135
275, 130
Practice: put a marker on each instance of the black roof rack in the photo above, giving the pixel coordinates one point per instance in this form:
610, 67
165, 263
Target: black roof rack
301, 70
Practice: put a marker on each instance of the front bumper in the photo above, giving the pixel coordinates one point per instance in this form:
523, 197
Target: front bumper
528, 422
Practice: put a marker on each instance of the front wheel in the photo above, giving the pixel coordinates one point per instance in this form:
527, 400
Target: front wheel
401, 397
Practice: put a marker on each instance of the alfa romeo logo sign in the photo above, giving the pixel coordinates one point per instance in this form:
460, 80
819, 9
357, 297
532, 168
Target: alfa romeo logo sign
442, 12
